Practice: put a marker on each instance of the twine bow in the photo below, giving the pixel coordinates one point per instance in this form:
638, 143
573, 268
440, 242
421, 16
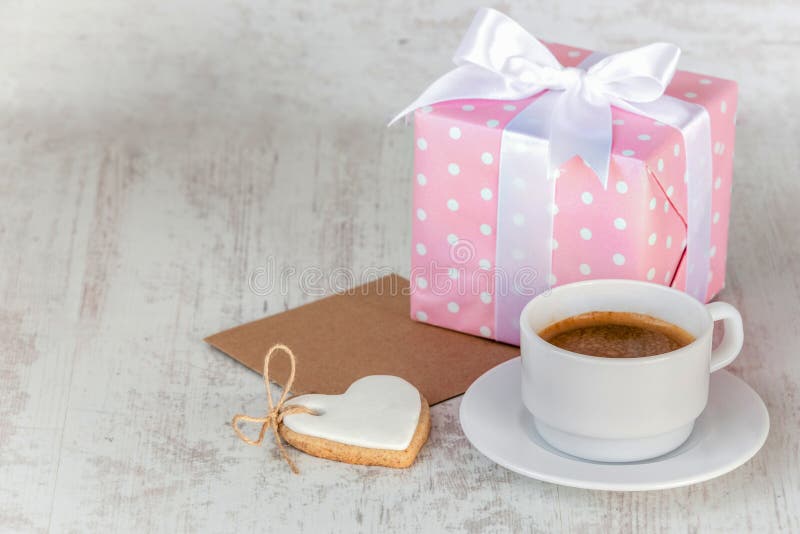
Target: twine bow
276, 412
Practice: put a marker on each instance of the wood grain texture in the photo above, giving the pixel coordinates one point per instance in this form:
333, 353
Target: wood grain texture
154, 155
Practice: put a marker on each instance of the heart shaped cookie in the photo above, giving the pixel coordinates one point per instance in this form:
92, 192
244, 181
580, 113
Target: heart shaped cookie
379, 420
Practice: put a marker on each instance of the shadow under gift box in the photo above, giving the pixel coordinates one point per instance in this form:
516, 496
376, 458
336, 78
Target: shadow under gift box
635, 228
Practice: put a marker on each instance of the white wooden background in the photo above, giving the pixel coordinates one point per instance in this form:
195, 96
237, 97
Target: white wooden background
154, 154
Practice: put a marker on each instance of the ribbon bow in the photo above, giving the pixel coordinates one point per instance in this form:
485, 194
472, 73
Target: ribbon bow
276, 412
498, 60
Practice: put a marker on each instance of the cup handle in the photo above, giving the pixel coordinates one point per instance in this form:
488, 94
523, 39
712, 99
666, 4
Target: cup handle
732, 341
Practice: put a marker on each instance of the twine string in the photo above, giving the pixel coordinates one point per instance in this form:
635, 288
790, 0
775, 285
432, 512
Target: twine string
275, 412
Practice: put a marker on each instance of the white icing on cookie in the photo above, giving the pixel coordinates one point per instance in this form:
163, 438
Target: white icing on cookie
376, 412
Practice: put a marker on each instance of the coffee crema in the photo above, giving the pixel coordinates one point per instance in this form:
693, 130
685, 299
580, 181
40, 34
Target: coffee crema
612, 334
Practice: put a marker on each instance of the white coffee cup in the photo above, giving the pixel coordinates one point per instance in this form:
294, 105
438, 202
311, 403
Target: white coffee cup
621, 409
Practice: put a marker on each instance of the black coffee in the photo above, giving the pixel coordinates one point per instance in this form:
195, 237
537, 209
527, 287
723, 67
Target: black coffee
610, 334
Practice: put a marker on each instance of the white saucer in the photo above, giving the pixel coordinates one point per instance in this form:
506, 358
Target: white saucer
731, 429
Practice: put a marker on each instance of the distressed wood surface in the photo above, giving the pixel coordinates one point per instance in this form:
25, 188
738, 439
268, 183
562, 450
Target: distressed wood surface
155, 155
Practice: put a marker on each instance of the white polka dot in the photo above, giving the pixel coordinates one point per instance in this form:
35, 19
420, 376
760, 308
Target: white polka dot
455, 132
618, 122
551, 279
509, 107
453, 307
486, 331
486, 298
452, 204
690, 95
452, 272
519, 183
713, 251
717, 182
485, 264
719, 148
666, 206
643, 137
669, 241
519, 219
427, 109
723, 106
670, 191
653, 203
422, 282
556, 174
686, 177
486, 193
619, 223
704, 81
421, 249
554, 244
618, 259
586, 197
622, 187
468, 107
651, 273
683, 244
422, 143
676, 150
452, 239
715, 219
517, 254
652, 239
421, 180
486, 229
422, 316
586, 234
585, 269
574, 53
553, 209
667, 277
487, 158
453, 169
421, 215
660, 165
492, 123
628, 152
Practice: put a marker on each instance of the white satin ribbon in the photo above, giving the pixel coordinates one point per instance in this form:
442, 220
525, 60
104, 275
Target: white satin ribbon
498, 60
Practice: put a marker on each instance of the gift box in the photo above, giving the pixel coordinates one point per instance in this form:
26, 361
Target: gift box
491, 231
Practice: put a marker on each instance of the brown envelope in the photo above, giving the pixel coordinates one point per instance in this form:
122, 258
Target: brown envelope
365, 331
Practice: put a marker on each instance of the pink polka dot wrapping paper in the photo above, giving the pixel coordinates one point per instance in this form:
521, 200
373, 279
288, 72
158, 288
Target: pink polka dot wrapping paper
635, 228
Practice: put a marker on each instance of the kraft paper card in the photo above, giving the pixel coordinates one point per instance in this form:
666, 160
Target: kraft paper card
364, 331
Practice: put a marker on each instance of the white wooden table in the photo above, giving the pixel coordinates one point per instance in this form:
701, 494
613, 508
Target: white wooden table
154, 155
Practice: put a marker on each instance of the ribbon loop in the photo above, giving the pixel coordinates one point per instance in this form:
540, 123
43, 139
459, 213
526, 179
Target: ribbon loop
493, 37
275, 412
638, 75
498, 59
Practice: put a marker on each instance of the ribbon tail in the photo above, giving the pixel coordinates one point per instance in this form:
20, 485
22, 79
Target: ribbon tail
482, 56
581, 125
466, 82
